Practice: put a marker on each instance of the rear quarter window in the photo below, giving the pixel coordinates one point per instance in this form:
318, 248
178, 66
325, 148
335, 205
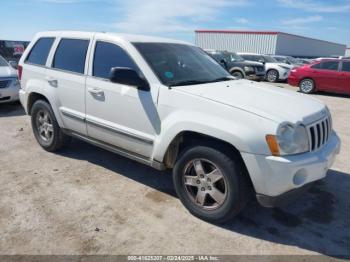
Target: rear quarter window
40, 51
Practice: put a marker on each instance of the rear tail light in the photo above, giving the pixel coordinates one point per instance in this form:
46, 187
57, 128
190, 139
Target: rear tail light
20, 70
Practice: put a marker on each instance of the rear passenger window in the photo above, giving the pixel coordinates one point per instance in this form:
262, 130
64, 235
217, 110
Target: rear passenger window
330, 65
107, 56
40, 51
71, 55
346, 67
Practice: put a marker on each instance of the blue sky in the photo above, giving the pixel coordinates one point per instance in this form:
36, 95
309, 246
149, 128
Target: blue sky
327, 20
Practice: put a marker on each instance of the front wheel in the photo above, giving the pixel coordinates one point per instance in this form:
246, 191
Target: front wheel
307, 86
210, 184
272, 76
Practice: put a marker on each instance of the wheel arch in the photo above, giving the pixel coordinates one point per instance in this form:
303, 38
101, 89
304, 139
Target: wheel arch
187, 138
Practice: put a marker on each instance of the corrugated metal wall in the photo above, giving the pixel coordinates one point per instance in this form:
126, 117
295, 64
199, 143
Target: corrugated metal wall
252, 43
294, 45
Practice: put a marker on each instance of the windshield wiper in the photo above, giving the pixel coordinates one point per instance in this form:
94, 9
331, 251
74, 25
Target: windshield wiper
188, 82
221, 79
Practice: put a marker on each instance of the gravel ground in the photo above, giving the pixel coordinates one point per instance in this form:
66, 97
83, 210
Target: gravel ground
85, 200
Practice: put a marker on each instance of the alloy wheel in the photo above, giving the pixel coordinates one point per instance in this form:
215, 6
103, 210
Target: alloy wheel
44, 126
205, 184
272, 76
307, 86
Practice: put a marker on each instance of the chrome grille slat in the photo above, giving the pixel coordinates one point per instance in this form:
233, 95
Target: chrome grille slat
319, 133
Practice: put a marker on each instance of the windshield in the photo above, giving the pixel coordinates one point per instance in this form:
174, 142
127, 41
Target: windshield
180, 64
269, 59
236, 58
3, 61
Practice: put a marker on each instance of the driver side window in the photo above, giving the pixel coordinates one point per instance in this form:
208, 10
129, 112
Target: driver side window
107, 56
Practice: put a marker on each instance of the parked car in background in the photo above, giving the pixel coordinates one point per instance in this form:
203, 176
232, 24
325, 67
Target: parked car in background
331, 75
9, 84
237, 66
288, 60
167, 104
275, 71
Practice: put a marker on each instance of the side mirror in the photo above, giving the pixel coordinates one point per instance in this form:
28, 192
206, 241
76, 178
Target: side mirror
262, 61
14, 64
128, 76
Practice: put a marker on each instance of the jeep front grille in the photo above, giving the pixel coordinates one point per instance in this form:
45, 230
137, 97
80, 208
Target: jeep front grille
319, 133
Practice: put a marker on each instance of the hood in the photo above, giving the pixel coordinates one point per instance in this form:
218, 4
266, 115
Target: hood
267, 101
7, 71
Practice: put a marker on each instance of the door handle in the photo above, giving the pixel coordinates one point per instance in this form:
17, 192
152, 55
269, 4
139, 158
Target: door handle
95, 91
52, 81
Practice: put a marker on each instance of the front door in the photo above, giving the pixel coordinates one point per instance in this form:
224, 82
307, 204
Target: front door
327, 77
116, 114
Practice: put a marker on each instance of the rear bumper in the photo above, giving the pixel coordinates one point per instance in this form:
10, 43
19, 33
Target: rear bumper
23, 99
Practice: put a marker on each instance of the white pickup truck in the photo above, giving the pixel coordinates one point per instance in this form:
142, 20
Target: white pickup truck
167, 104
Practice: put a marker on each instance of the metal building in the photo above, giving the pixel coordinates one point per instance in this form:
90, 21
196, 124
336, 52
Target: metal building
347, 53
266, 42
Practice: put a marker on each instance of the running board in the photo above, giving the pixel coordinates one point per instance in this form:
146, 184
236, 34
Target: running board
138, 158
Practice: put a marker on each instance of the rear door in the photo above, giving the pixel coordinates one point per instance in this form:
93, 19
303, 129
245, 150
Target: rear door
344, 78
67, 75
327, 76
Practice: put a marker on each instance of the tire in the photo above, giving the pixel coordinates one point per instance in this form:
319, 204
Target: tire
190, 187
307, 86
45, 127
237, 74
272, 76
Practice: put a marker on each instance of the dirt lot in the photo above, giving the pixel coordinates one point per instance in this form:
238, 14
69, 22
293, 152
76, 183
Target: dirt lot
88, 201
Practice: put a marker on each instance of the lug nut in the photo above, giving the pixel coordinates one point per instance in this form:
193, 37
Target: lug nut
209, 187
203, 189
209, 180
198, 181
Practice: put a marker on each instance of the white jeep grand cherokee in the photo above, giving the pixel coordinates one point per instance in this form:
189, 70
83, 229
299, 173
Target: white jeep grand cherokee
168, 104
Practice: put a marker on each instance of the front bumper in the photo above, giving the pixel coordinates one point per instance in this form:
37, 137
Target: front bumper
273, 177
255, 77
9, 94
284, 74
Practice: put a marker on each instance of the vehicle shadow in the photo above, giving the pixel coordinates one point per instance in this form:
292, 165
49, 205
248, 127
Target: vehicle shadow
11, 109
318, 221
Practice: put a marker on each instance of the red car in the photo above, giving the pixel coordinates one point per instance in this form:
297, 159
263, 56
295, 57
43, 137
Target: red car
331, 75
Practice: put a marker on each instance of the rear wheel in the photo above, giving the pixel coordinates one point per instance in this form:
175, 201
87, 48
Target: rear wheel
307, 86
272, 76
45, 127
210, 184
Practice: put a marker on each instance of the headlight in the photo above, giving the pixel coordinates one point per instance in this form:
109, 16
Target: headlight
290, 139
249, 69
